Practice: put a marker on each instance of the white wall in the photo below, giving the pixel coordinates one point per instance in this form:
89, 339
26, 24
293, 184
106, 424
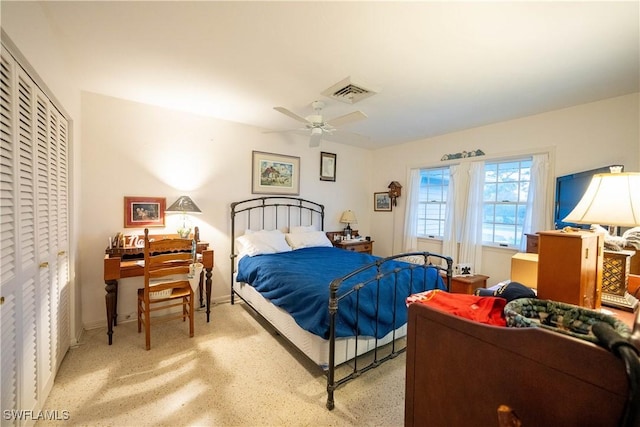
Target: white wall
581, 138
133, 149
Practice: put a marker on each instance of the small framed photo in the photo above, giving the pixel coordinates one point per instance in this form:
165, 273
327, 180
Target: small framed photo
275, 174
327, 166
144, 211
382, 202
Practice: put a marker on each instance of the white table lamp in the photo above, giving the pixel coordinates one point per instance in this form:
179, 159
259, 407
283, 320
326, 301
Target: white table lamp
184, 205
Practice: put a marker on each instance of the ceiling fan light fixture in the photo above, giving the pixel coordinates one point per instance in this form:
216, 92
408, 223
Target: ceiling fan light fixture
315, 138
314, 118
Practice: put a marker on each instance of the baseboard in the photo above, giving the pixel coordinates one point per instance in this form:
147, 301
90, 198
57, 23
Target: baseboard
132, 317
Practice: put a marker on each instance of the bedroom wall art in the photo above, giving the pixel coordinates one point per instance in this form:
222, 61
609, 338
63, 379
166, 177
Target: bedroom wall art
275, 174
382, 202
327, 166
144, 211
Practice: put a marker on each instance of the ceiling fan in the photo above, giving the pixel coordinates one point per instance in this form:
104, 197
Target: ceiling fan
318, 128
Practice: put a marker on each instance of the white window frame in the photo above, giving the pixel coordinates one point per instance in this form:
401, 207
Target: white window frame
424, 202
521, 180
439, 205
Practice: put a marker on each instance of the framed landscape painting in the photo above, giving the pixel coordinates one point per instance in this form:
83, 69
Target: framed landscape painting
144, 211
275, 174
382, 202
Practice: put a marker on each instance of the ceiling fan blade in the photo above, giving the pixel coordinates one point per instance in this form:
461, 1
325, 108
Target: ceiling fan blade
347, 118
291, 114
345, 137
283, 131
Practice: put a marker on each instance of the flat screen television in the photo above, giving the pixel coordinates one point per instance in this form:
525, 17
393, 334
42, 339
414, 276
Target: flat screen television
569, 191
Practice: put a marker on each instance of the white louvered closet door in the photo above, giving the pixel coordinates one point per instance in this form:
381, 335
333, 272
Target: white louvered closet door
34, 242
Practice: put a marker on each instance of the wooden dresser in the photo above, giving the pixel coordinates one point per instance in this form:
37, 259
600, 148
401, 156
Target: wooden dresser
633, 267
570, 267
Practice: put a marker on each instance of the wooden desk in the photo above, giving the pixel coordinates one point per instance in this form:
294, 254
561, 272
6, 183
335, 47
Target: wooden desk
123, 263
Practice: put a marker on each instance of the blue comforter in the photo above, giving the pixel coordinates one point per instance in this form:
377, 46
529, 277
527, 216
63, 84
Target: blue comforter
298, 282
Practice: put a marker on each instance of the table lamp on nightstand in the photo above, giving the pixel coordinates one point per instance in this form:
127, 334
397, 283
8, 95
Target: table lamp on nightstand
611, 199
348, 217
184, 205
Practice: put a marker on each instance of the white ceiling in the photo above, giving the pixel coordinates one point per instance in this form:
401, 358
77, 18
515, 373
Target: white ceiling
438, 66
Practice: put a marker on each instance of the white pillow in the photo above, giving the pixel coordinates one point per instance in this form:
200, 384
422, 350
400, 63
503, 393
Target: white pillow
279, 230
303, 229
262, 242
308, 239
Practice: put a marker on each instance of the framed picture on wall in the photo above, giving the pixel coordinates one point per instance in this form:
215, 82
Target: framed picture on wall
144, 211
275, 174
327, 166
382, 202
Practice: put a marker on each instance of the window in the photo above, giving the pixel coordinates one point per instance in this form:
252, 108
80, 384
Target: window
432, 206
505, 193
506, 187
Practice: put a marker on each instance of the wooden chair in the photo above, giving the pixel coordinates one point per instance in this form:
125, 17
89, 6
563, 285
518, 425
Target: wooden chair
166, 282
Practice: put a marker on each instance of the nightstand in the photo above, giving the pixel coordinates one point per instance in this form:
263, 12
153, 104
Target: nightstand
363, 246
467, 284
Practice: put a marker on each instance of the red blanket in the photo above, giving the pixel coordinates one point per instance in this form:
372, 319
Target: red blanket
489, 310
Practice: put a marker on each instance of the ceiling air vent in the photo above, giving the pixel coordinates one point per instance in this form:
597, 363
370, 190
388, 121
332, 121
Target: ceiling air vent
348, 91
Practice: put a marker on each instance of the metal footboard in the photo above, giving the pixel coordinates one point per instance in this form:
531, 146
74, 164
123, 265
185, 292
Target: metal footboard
428, 261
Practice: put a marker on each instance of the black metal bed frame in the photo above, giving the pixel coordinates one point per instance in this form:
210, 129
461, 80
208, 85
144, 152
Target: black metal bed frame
307, 211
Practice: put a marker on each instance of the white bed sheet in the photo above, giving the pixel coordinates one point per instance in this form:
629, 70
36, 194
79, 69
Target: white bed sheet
313, 346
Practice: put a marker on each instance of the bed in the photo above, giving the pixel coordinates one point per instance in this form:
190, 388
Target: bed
335, 306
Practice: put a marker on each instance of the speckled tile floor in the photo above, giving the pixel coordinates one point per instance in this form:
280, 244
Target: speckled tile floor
234, 372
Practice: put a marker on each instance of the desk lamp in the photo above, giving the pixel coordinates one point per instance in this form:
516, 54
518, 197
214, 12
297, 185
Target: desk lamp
613, 199
184, 205
348, 217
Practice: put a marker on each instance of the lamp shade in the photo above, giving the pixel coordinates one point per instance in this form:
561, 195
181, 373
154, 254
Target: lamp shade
184, 204
610, 199
348, 217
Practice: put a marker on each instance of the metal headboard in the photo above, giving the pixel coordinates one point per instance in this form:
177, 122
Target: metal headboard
271, 213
